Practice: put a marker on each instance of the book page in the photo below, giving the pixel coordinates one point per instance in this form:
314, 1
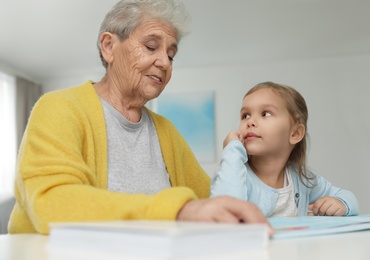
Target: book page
289, 227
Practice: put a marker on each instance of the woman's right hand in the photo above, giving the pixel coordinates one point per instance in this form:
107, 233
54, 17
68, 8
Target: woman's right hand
223, 209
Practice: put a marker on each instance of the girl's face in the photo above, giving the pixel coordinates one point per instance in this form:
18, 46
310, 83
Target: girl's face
143, 62
266, 124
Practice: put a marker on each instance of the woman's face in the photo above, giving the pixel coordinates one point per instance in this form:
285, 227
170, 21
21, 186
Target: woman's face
142, 64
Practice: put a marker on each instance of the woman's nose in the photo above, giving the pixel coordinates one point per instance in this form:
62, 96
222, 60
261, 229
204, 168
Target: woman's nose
163, 61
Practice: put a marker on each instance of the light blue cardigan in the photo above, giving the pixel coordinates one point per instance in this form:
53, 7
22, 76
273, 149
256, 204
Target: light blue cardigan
236, 178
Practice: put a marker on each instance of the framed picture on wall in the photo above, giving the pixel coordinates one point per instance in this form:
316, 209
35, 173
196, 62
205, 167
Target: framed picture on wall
193, 114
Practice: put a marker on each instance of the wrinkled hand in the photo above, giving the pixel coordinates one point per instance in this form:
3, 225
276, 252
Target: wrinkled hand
327, 206
223, 209
234, 135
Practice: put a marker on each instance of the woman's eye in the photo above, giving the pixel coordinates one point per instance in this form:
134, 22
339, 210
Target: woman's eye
171, 55
150, 48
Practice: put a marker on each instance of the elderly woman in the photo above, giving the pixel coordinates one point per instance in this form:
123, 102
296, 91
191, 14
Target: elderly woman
94, 152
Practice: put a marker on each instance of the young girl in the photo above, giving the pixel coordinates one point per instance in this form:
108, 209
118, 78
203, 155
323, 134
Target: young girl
264, 162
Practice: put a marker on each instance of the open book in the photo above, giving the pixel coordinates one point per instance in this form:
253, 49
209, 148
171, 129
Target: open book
158, 239
290, 227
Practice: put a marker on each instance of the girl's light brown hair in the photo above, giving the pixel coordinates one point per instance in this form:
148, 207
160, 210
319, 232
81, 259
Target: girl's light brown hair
298, 111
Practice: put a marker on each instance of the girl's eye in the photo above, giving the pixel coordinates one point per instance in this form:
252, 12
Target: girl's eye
245, 116
170, 58
266, 113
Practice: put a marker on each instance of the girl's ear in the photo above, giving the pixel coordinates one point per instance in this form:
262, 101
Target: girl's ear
297, 134
106, 45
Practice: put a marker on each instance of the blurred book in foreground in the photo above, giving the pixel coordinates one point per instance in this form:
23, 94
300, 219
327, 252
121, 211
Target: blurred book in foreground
157, 239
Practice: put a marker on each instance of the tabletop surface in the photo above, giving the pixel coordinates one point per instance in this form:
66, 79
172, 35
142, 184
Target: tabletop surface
353, 246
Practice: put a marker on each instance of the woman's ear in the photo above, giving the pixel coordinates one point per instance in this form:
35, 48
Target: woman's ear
297, 134
106, 46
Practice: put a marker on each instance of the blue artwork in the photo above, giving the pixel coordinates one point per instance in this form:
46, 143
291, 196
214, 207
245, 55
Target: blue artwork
193, 114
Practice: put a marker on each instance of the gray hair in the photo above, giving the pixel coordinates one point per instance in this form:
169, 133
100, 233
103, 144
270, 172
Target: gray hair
126, 16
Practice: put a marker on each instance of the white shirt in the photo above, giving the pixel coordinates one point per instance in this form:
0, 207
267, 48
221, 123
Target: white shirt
285, 205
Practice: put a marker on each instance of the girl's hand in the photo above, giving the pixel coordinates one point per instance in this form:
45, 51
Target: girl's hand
327, 206
234, 135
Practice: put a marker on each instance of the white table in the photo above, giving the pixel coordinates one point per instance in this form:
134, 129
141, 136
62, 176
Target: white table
351, 246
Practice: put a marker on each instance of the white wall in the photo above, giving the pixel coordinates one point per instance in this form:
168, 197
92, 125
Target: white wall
337, 92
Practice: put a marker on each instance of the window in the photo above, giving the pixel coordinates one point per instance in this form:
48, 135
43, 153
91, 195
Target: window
8, 134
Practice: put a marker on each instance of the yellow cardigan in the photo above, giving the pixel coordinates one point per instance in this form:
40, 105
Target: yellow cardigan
62, 167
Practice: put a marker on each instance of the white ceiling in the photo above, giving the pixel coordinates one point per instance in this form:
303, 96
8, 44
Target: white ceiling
55, 38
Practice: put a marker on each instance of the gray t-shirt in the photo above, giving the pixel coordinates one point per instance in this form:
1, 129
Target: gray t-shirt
135, 162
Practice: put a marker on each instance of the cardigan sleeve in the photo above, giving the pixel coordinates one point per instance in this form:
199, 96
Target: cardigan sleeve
325, 188
62, 172
231, 178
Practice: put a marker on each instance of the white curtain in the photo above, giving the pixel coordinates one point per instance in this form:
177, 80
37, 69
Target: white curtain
17, 97
26, 96
8, 138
